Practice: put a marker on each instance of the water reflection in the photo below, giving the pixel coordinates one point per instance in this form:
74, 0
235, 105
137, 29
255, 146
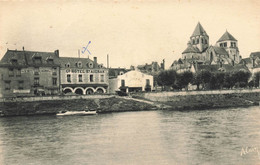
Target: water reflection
150, 137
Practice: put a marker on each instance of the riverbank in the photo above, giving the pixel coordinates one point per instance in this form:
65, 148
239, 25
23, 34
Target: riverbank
200, 100
52, 106
195, 100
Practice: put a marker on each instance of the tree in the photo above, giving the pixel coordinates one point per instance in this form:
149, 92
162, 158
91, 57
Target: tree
256, 79
183, 79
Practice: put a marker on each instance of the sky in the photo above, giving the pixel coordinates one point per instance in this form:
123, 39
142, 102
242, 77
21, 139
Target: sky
131, 32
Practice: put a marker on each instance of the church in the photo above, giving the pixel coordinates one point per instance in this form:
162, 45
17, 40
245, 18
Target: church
199, 52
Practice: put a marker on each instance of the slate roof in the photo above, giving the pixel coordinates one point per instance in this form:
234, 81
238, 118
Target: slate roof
255, 54
220, 50
246, 60
226, 36
114, 72
26, 58
73, 61
198, 31
191, 49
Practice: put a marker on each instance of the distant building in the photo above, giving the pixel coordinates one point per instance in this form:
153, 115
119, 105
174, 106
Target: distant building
198, 51
29, 73
132, 81
152, 68
83, 76
114, 72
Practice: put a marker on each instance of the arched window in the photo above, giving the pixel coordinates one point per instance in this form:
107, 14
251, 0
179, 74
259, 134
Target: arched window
202, 40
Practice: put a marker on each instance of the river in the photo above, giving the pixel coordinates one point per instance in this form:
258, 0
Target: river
133, 138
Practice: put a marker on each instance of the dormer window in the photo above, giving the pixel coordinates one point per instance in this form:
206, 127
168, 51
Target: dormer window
67, 65
37, 60
14, 61
90, 65
50, 60
79, 64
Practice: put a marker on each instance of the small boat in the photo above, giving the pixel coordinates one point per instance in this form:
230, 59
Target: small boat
81, 113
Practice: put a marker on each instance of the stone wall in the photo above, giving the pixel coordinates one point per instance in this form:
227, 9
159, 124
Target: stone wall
198, 100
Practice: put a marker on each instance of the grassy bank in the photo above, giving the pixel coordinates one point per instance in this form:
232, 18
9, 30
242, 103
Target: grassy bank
103, 105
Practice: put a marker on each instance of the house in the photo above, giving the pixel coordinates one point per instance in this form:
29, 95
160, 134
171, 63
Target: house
83, 76
27, 73
132, 81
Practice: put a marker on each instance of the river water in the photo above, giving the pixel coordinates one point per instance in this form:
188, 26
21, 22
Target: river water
133, 138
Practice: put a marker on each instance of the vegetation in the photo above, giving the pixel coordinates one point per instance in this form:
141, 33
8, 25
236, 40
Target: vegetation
170, 79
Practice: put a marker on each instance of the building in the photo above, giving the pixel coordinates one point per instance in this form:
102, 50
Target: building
132, 81
152, 68
29, 73
198, 51
83, 76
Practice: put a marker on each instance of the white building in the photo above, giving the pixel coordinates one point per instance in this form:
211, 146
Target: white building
131, 81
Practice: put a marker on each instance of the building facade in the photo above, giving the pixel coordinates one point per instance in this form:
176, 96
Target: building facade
83, 76
132, 81
28, 73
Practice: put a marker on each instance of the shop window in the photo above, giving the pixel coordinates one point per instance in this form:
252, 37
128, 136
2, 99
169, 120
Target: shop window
80, 77
11, 72
91, 78
102, 78
68, 78
54, 81
36, 81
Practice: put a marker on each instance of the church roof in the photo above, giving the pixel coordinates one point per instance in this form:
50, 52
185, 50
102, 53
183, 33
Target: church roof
191, 49
255, 55
220, 50
226, 36
198, 31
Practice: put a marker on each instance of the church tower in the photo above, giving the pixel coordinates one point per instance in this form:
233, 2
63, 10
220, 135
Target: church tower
199, 38
229, 43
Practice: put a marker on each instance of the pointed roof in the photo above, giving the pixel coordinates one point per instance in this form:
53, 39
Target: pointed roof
226, 36
191, 49
198, 31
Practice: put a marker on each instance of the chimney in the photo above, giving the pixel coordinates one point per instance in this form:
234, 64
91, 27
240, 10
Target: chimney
56, 52
107, 61
79, 53
23, 48
95, 62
